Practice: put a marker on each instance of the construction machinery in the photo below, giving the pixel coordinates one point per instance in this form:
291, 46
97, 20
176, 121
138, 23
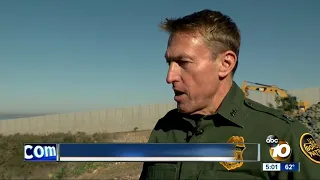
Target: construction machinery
302, 105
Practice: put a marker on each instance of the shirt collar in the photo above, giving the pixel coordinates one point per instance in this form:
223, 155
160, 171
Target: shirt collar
231, 108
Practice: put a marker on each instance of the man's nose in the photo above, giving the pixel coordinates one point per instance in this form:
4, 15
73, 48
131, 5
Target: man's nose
172, 75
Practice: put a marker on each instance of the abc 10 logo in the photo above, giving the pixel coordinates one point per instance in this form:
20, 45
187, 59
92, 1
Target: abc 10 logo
279, 150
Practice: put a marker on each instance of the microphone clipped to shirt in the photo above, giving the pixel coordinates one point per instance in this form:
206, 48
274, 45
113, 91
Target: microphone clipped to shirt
198, 131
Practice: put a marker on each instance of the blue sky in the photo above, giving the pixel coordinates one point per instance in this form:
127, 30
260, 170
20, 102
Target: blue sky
63, 56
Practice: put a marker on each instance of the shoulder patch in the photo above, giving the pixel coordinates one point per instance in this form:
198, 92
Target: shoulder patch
271, 111
310, 148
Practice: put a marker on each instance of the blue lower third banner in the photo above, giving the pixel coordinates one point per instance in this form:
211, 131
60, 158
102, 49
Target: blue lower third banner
40, 152
149, 152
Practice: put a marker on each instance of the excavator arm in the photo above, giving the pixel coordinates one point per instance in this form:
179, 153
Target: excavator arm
263, 88
302, 105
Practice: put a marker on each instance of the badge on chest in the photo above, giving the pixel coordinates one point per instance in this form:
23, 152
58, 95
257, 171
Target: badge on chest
238, 154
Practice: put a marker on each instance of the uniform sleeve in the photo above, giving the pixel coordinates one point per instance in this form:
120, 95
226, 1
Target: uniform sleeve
304, 151
152, 139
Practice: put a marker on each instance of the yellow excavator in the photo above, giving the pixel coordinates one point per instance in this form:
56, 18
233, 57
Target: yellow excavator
302, 105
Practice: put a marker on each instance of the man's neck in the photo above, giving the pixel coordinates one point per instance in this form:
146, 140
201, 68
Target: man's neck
216, 101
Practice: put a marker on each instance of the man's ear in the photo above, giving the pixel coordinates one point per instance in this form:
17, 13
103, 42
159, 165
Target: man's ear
228, 61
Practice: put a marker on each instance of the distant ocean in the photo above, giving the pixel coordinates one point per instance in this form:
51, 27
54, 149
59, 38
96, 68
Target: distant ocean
16, 116
12, 117
7, 117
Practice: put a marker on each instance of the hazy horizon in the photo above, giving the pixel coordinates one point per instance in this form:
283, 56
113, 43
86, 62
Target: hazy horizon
66, 56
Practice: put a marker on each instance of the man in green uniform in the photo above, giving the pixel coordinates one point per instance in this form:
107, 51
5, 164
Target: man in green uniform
202, 55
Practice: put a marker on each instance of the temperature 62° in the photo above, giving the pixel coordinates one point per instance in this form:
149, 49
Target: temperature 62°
289, 166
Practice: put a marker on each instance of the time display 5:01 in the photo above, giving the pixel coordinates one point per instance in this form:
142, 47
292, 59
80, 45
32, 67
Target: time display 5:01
271, 167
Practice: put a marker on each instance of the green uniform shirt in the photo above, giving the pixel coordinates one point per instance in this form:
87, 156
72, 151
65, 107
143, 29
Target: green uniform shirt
236, 117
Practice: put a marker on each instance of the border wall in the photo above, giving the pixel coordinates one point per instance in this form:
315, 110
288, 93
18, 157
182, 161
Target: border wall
119, 119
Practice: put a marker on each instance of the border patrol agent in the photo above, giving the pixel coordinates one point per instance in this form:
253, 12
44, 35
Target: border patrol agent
202, 55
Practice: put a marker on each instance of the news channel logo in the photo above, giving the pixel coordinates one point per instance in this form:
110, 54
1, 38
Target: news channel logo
40, 152
279, 149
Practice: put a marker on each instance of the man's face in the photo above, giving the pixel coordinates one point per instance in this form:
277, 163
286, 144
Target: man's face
192, 72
